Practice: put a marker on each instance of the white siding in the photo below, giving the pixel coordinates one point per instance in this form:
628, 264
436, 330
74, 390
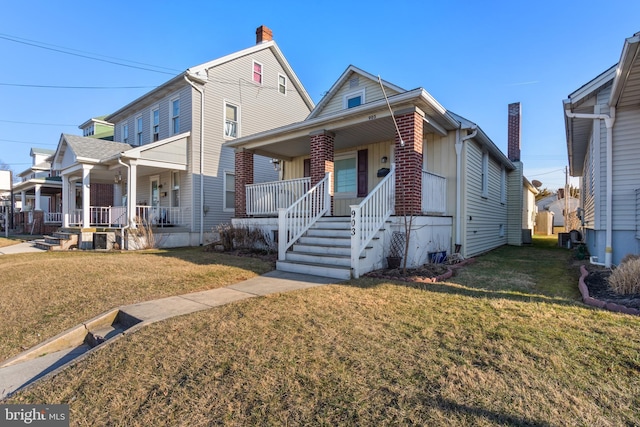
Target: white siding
626, 174
600, 141
483, 217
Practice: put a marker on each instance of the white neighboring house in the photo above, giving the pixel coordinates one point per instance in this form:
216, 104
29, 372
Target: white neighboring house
555, 203
167, 162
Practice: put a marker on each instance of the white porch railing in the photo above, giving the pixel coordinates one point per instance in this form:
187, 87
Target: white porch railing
53, 217
368, 217
295, 220
108, 215
75, 218
434, 193
264, 199
163, 216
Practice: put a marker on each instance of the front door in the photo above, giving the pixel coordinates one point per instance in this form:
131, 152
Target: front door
155, 199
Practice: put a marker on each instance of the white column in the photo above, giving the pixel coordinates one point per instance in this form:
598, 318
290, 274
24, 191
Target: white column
23, 200
65, 201
37, 206
132, 182
86, 197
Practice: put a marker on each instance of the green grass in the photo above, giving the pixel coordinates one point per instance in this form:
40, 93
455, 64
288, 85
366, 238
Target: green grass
496, 345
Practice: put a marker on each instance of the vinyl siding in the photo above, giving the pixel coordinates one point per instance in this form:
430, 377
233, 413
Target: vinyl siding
261, 107
372, 89
440, 153
588, 186
600, 213
626, 175
483, 216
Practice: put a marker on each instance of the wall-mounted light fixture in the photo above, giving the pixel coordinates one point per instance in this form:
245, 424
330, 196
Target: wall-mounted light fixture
118, 178
276, 164
384, 159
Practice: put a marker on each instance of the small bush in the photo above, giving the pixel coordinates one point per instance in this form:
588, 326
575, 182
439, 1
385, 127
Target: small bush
243, 238
625, 279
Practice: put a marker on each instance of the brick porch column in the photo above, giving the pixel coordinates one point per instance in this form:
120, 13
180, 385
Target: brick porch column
322, 159
244, 176
409, 162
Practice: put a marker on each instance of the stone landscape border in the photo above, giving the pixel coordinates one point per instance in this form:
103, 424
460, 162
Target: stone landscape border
611, 306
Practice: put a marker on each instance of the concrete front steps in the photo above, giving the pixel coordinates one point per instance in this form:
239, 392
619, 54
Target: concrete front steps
325, 250
59, 241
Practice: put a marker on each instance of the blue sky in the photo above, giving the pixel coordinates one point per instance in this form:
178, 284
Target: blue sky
474, 57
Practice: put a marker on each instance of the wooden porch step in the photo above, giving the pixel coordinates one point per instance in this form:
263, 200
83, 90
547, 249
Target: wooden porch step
323, 270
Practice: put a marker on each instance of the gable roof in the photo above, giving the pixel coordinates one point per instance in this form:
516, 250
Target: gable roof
346, 75
88, 149
198, 74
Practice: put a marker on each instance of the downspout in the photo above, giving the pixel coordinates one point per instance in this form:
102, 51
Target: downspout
127, 207
201, 240
459, 145
609, 119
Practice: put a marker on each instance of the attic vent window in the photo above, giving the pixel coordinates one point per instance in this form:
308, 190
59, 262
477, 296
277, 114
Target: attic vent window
354, 82
353, 99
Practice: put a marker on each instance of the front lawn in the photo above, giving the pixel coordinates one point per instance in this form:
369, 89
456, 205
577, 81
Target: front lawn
506, 342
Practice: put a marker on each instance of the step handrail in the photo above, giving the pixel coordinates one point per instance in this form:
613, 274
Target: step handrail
295, 220
368, 217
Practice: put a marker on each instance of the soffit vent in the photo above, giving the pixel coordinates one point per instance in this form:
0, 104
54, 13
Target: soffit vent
354, 82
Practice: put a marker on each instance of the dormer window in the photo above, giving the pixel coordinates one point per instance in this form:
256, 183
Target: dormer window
354, 99
88, 131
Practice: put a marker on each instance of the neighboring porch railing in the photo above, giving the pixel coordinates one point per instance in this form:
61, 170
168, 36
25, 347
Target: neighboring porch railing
434, 193
75, 218
53, 217
264, 199
162, 216
295, 220
368, 217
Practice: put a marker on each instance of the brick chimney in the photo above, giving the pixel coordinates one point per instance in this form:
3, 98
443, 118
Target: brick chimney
263, 34
515, 131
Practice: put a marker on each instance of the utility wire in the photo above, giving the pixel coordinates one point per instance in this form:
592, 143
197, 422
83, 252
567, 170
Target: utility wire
42, 46
76, 87
27, 142
33, 123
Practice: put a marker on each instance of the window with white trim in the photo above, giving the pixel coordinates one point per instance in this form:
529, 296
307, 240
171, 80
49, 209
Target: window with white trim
175, 116
345, 175
175, 189
155, 124
229, 201
257, 72
231, 120
282, 84
125, 133
353, 99
485, 174
88, 131
139, 130
503, 185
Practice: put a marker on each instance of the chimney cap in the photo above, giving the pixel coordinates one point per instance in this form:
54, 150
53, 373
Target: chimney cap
263, 34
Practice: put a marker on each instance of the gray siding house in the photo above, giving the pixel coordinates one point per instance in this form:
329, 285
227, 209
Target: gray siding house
602, 121
168, 163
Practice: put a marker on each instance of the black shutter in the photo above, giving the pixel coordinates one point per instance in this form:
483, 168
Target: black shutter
363, 171
307, 168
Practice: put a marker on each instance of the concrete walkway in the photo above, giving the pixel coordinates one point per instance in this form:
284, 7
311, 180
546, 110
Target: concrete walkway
20, 248
16, 374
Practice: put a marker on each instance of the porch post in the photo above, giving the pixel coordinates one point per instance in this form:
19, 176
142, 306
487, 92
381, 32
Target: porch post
37, 206
244, 176
408, 154
132, 183
65, 201
86, 197
322, 159
23, 200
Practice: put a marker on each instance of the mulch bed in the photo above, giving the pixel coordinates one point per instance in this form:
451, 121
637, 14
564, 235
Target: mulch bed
427, 273
598, 287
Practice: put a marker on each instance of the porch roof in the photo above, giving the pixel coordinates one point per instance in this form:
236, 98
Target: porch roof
367, 123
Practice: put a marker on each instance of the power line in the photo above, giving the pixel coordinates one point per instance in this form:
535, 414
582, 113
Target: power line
547, 173
28, 142
34, 123
77, 87
42, 45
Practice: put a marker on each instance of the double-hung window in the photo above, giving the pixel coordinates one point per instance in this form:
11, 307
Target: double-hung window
282, 84
139, 130
155, 124
231, 120
229, 191
125, 133
485, 174
175, 116
257, 72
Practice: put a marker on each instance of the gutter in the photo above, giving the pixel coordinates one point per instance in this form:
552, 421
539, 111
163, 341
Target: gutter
186, 78
459, 146
609, 120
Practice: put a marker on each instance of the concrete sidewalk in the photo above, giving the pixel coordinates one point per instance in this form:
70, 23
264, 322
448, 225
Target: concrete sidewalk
20, 248
16, 374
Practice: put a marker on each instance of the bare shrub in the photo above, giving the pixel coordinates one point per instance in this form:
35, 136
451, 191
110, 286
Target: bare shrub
573, 222
244, 237
625, 279
142, 237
